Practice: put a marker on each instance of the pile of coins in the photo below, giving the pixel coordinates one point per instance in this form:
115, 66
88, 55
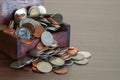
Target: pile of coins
47, 56
52, 59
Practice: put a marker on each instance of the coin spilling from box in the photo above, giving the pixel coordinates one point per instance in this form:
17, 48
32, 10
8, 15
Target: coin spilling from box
46, 56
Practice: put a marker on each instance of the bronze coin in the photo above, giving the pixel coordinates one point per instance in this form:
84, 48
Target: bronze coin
41, 46
30, 27
72, 51
35, 69
9, 31
60, 70
34, 64
28, 68
38, 30
27, 41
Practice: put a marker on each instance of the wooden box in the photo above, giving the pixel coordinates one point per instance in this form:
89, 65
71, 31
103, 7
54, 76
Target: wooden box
10, 44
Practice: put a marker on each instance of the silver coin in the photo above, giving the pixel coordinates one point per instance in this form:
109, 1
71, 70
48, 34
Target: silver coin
23, 33
58, 17
35, 52
44, 67
47, 38
68, 63
17, 64
42, 9
82, 62
85, 53
57, 61
21, 11
78, 57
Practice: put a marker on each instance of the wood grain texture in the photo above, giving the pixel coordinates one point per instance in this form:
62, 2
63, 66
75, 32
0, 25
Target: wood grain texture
95, 28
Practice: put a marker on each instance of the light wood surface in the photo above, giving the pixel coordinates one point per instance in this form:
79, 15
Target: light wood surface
95, 27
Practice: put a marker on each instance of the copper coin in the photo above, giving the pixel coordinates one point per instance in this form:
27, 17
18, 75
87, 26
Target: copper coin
38, 30
30, 27
27, 41
8, 30
28, 68
35, 69
60, 70
34, 64
72, 51
41, 46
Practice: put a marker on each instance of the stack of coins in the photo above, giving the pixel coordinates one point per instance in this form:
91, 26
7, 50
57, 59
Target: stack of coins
51, 59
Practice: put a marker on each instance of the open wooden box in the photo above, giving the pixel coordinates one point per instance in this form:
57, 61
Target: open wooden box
10, 44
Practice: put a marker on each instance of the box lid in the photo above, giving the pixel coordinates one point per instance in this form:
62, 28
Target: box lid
8, 6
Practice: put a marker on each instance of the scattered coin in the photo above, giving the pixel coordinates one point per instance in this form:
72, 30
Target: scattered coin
78, 57
60, 70
81, 62
2, 27
17, 64
34, 63
57, 61
34, 11
44, 67
85, 53
68, 63
72, 51
28, 68
35, 52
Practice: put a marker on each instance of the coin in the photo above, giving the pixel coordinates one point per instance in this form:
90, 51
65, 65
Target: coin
35, 69
44, 67
72, 51
34, 11
34, 63
23, 32
81, 62
68, 63
20, 13
42, 9
27, 41
39, 45
60, 70
38, 31
27, 68
57, 61
47, 38
85, 53
78, 57
57, 17
8, 31
17, 64
35, 52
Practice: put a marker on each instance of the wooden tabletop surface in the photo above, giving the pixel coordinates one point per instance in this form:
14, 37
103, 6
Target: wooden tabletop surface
95, 27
